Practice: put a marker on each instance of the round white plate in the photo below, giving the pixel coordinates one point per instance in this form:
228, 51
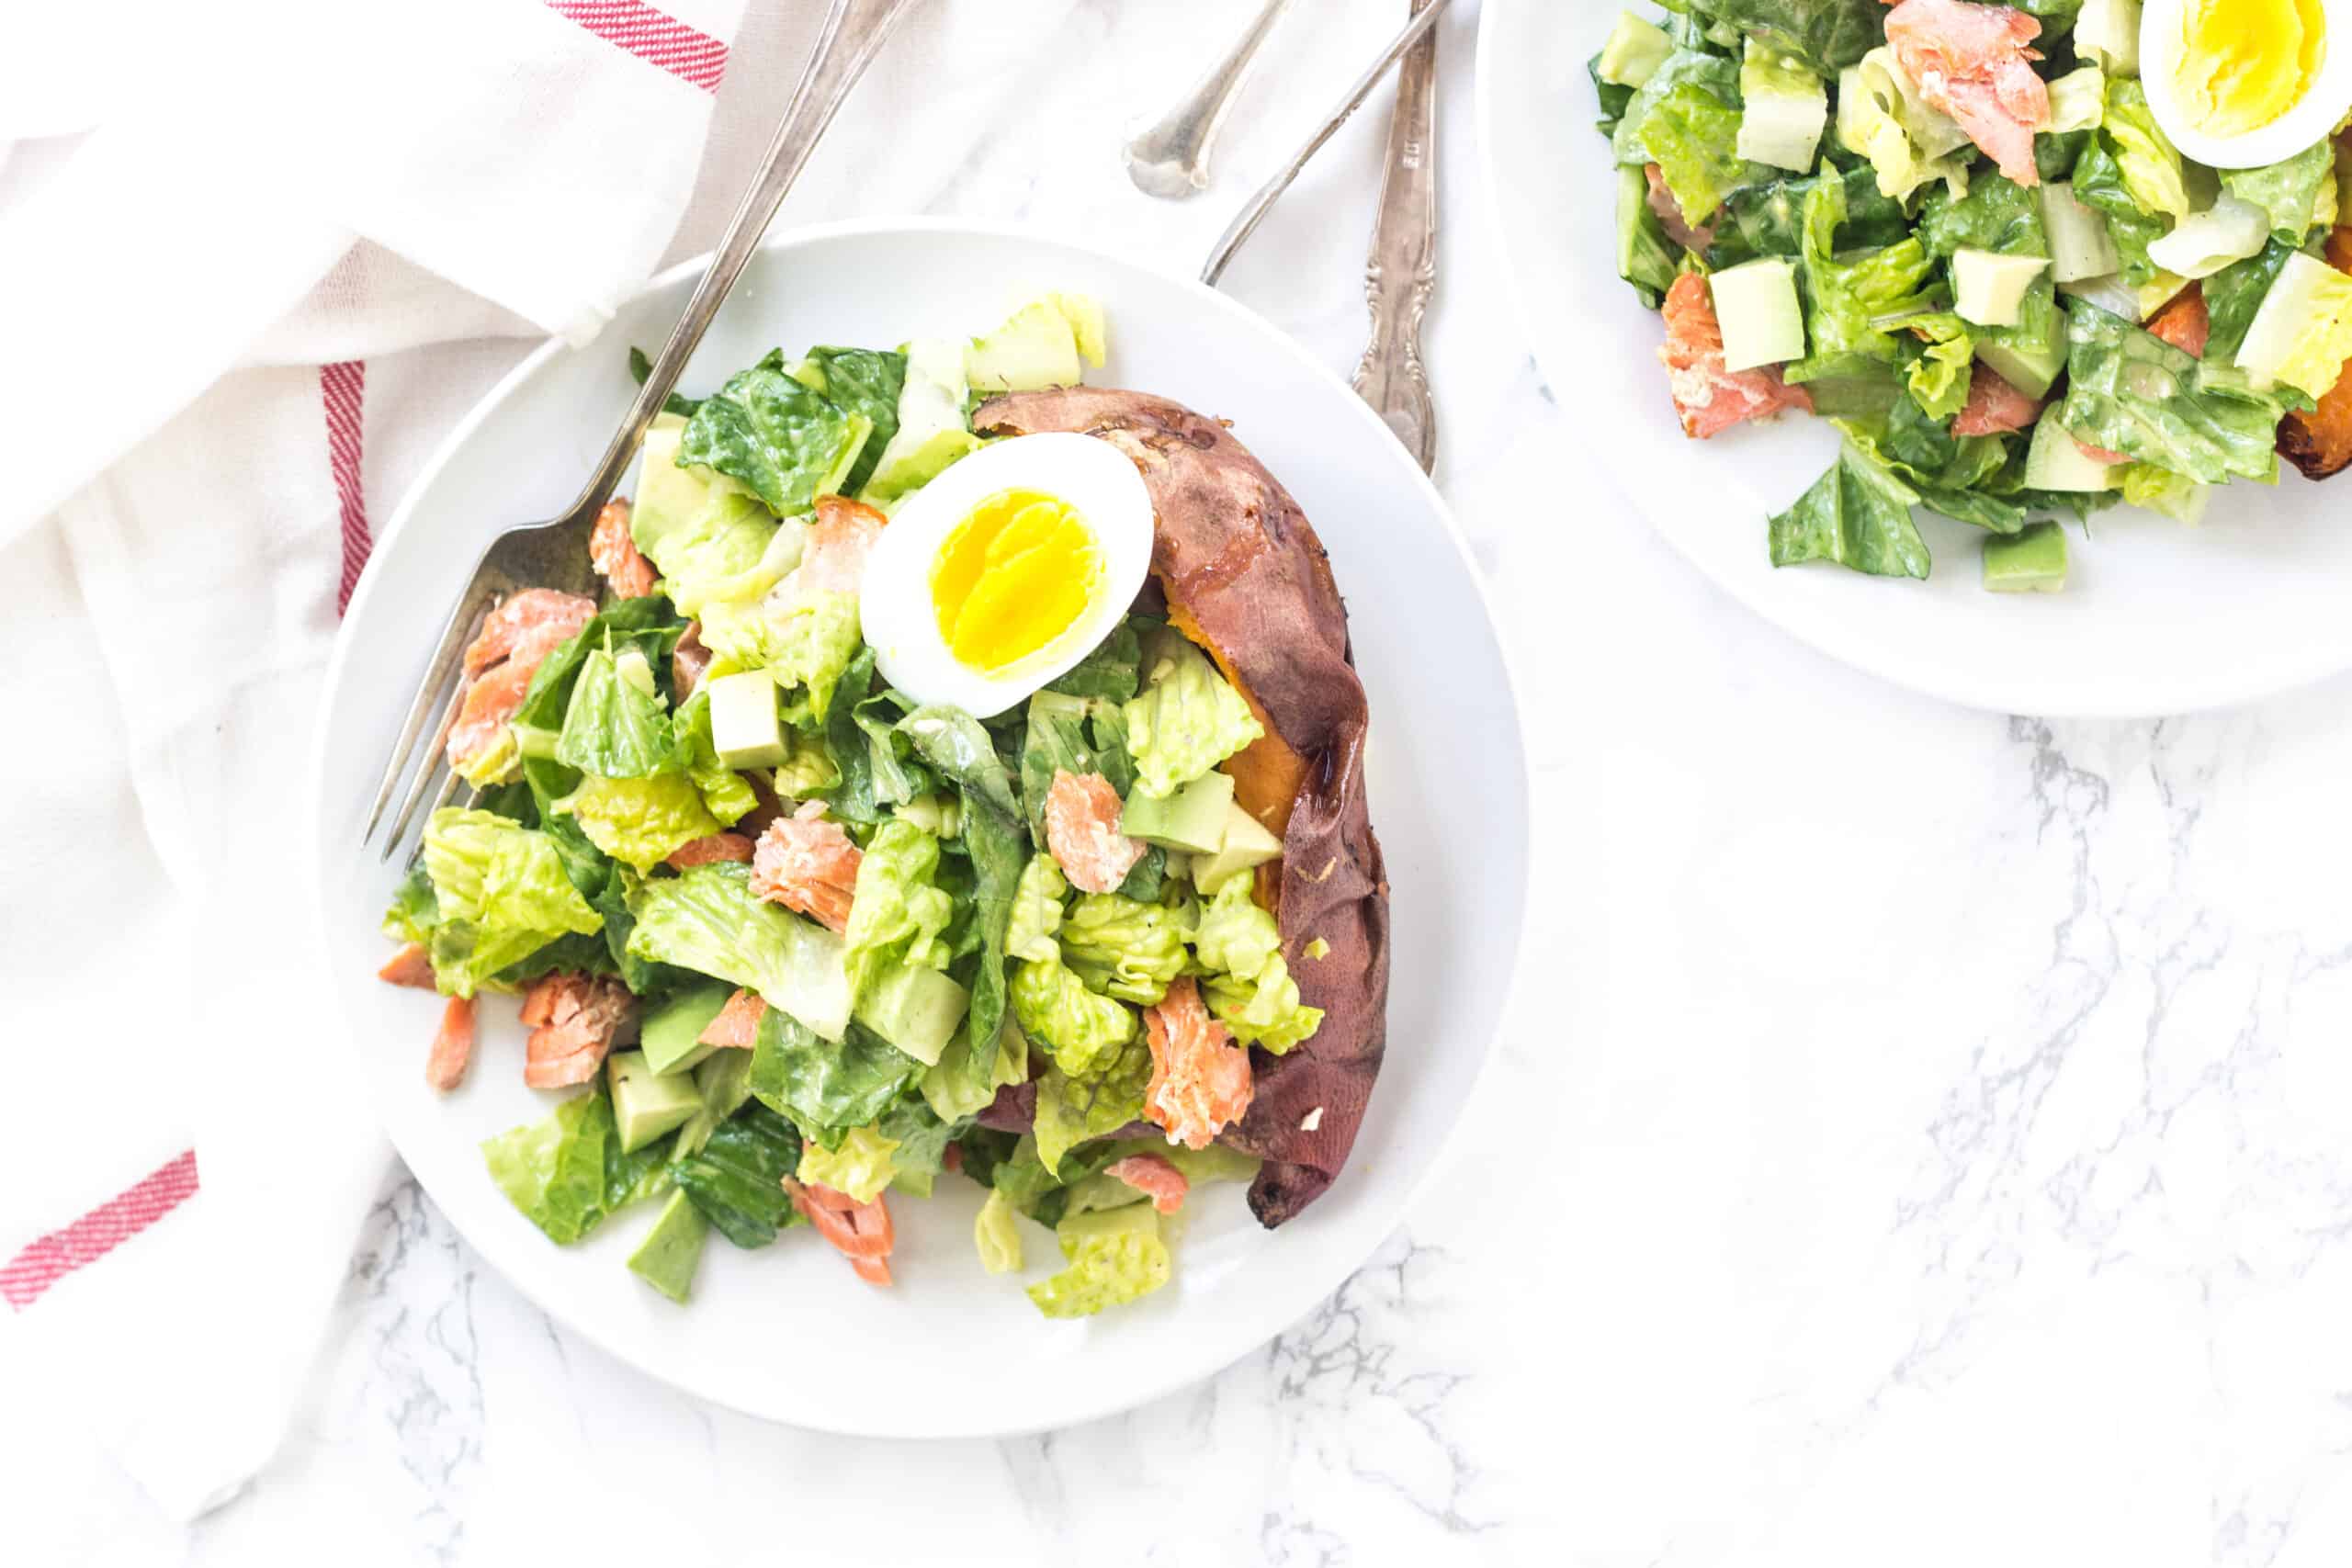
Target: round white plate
787, 1332
2155, 618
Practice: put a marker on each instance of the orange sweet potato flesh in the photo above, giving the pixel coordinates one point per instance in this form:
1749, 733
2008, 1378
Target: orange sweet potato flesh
1247, 579
2320, 442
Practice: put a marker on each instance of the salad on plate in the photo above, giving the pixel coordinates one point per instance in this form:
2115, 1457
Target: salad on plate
1966, 235
959, 778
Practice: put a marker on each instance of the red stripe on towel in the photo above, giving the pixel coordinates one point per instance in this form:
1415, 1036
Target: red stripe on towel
32, 1272
343, 388
654, 37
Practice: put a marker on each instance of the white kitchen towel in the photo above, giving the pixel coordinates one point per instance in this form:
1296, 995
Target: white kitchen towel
230, 357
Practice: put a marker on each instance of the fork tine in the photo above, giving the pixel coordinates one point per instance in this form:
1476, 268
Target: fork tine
437, 768
463, 618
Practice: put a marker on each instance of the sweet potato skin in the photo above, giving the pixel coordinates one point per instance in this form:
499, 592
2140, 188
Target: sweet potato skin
2320, 443
1247, 580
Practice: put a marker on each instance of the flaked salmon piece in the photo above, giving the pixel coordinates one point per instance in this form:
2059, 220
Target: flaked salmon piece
491, 698
1154, 1176
833, 559
1993, 407
2185, 323
453, 1045
709, 848
737, 1027
514, 642
1200, 1078
410, 966
806, 864
1708, 398
1972, 62
1690, 236
859, 1232
1082, 831
529, 626
614, 553
688, 661
576, 1019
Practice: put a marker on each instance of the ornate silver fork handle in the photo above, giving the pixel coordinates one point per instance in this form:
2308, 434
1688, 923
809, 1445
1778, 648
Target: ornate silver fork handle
1403, 269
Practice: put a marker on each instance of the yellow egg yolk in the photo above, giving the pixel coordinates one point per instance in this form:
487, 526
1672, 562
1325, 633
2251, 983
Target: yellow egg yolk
1012, 577
2245, 63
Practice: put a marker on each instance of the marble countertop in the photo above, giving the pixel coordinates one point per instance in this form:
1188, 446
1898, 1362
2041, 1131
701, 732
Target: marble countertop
1941, 1159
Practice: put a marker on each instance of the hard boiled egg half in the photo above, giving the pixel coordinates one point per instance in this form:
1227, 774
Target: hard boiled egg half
1006, 570
2239, 83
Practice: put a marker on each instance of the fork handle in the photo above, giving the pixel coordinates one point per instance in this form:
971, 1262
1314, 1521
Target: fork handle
854, 33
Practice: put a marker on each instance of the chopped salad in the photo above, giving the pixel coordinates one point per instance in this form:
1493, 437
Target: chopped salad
797, 935
1957, 231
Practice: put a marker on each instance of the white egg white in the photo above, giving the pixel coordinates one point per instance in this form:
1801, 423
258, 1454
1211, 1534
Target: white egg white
895, 602
2312, 116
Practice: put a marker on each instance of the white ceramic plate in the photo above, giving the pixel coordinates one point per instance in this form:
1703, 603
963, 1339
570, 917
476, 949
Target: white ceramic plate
951, 1351
2155, 618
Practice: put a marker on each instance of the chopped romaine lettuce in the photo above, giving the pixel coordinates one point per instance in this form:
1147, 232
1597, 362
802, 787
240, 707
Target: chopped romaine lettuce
501, 894
1188, 718
861, 1166
897, 913
2131, 393
614, 727
639, 821
1073, 1109
827, 1089
2151, 164
1114, 1254
1036, 911
933, 431
1824, 36
708, 920
1858, 515
1906, 143
736, 1178
957, 1086
864, 382
1685, 120
1126, 949
2289, 191
778, 435
997, 1233
1078, 1028
567, 1171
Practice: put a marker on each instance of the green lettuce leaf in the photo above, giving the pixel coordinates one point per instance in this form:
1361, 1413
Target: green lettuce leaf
1036, 911
1646, 257
1769, 220
898, 912
1905, 145
782, 438
997, 1236
566, 1172
1858, 515
1849, 295
711, 538
1826, 36
646, 625
2289, 190
861, 1166
957, 1086
1112, 672
865, 383
1187, 719
2232, 296
806, 643
2161, 490
639, 821
827, 1089
614, 727
2151, 166
501, 892
736, 1178
1126, 949
725, 794
2131, 393
934, 429
1249, 987
1116, 1256
1080, 1030
1997, 215
1937, 362
708, 920
1074, 1109
954, 747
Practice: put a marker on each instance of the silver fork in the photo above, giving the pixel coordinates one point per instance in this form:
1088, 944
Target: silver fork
554, 554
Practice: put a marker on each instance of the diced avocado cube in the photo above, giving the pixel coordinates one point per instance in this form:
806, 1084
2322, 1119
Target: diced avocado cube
1192, 819
724, 1081
2030, 561
915, 1008
744, 726
2079, 245
2028, 355
645, 1104
1989, 288
2106, 34
1786, 107
1248, 845
1633, 52
671, 1039
672, 1251
2055, 461
1757, 304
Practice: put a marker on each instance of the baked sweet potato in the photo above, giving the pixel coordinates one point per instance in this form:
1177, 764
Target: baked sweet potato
2320, 442
1247, 579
